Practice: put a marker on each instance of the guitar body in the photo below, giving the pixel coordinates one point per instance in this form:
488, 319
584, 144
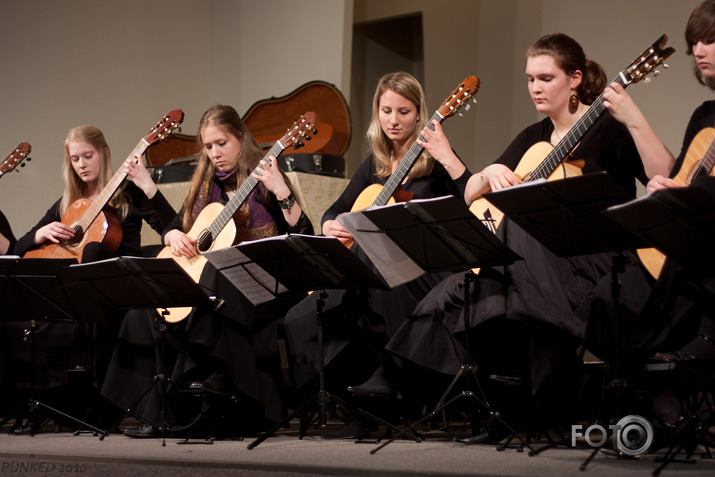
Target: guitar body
195, 266
105, 228
368, 196
652, 258
533, 157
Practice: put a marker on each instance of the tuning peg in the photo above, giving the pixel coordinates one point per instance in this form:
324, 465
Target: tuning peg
656, 73
646, 81
308, 138
467, 106
666, 65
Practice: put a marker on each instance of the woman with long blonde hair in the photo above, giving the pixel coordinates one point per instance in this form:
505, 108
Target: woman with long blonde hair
87, 169
359, 322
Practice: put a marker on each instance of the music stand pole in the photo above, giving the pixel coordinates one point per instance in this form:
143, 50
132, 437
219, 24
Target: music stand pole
31, 287
566, 216
265, 269
151, 283
425, 236
466, 371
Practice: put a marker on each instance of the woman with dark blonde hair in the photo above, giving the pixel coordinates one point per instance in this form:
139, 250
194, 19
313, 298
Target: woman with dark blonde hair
358, 323
87, 169
226, 350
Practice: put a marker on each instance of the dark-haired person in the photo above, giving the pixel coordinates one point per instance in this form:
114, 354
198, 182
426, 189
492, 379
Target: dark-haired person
669, 317
527, 320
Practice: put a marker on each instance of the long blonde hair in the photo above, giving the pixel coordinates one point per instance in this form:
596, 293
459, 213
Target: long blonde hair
227, 119
379, 144
75, 187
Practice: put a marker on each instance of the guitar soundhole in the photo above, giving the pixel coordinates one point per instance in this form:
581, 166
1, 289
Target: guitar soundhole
204, 242
78, 237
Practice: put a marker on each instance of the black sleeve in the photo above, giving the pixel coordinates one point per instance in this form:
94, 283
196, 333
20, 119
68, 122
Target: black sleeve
702, 117
27, 242
160, 213
6, 232
522, 142
363, 177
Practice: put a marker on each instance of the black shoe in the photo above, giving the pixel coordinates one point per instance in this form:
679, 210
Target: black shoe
356, 429
378, 385
216, 384
29, 427
495, 432
145, 431
483, 438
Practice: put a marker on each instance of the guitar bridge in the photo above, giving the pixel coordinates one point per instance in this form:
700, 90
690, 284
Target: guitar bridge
489, 221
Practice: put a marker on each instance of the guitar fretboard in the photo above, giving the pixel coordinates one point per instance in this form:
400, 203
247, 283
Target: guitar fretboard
209, 235
108, 192
705, 164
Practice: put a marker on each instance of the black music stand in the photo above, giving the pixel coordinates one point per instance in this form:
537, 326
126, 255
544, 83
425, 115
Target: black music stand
269, 268
680, 223
566, 217
30, 288
133, 282
428, 236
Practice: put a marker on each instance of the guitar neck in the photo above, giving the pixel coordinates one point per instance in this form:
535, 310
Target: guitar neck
108, 192
572, 138
706, 163
241, 194
403, 168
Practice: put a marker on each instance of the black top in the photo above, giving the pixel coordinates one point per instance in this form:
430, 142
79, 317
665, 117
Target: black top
6, 231
437, 183
606, 146
703, 117
156, 211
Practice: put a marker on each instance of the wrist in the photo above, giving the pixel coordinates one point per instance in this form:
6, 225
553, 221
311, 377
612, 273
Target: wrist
484, 180
288, 202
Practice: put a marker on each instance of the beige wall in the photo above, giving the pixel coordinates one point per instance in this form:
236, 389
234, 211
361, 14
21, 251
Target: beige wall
123, 65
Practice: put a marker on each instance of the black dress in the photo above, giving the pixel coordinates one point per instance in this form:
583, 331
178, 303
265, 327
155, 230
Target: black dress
359, 323
61, 346
239, 340
656, 315
527, 319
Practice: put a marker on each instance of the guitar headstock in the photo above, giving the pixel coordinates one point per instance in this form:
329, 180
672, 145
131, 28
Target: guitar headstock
15, 158
165, 127
653, 56
300, 131
459, 97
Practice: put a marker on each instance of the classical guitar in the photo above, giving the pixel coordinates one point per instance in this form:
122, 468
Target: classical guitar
376, 194
214, 228
89, 219
698, 161
15, 158
557, 163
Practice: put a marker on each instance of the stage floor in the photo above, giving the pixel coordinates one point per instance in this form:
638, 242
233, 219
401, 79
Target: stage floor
60, 454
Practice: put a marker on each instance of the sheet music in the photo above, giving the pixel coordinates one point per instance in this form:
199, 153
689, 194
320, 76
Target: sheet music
395, 266
257, 285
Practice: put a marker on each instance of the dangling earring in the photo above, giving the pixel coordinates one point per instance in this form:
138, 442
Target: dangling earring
573, 100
